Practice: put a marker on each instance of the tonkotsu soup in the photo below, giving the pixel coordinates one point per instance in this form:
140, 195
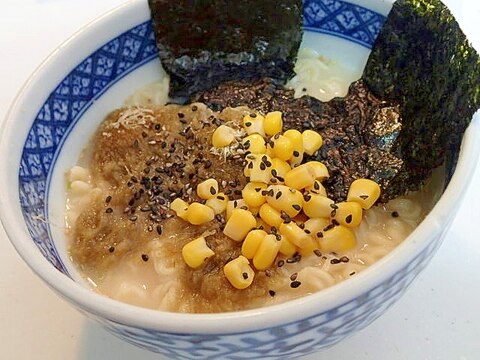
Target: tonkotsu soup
187, 209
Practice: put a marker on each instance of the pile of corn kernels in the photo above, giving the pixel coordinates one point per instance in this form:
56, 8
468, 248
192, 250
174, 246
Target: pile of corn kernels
284, 207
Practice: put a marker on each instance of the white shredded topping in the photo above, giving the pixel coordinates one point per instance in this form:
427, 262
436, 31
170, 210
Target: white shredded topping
133, 117
233, 149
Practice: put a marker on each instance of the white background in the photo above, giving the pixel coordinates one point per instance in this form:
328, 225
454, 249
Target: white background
438, 318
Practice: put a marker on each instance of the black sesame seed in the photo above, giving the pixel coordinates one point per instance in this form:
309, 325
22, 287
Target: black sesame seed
363, 197
335, 261
253, 115
133, 218
297, 207
108, 199
395, 214
109, 210
278, 196
207, 164
344, 259
194, 108
263, 166
317, 252
145, 257
248, 124
159, 229
271, 293
220, 197
293, 277
295, 284
212, 190
348, 219
245, 275
111, 249
280, 263
319, 234
296, 153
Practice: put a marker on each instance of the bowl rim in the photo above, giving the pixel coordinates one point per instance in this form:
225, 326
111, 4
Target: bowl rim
219, 323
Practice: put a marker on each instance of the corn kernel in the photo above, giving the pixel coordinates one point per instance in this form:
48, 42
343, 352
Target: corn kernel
235, 204
273, 123
284, 198
286, 247
218, 203
198, 214
223, 136
365, 192
252, 243
349, 214
207, 189
270, 215
317, 206
312, 141
260, 170
253, 195
282, 147
296, 138
267, 252
180, 207
239, 224
319, 169
281, 168
239, 273
196, 252
254, 125
298, 237
300, 177
338, 239
270, 151
316, 226
317, 188
255, 143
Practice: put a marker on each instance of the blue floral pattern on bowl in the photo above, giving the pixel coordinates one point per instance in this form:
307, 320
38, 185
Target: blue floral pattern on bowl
94, 76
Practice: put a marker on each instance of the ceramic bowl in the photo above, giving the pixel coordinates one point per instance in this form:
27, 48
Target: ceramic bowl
92, 73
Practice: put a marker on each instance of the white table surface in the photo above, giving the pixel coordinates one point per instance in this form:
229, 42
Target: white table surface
438, 318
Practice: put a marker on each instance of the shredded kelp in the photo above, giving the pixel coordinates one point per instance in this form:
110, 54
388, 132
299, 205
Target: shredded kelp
204, 42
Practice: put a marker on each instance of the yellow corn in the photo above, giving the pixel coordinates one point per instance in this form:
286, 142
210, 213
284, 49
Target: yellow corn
262, 224
338, 239
273, 123
260, 169
270, 151
282, 147
252, 242
223, 136
235, 204
198, 214
196, 252
317, 206
207, 189
284, 198
316, 226
300, 177
296, 138
255, 144
349, 214
286, 247
239, 224
317, 188
218, 203
298, 237
267, 252
365, 192
239, 273
319, 169
254, 209
180, 207
270, 215
253, 195
280, 168
312, 141
253, 123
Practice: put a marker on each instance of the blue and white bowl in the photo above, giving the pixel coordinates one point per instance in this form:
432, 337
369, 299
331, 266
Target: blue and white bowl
60, 107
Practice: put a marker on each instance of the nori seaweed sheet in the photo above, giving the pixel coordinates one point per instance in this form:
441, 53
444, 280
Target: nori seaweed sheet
204, 42
422, 61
